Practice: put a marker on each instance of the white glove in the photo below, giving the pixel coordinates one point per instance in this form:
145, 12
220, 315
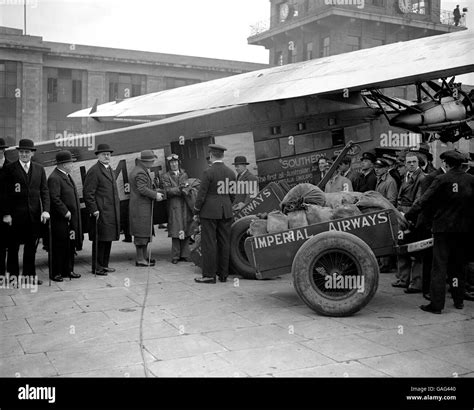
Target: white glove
96, 214
159, 196
68, 215
7, 219
45, 217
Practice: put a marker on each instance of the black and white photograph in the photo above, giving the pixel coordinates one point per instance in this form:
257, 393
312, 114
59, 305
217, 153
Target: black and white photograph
212, 196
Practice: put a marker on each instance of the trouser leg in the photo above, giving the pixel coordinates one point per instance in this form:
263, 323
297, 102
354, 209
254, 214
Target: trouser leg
223, 246
457, 265
29, 255
439, 271
208, 247
404, 269
3, 255
417, 273
175, 248
104, 253
184, 247
59, 256
13, 265
427, 266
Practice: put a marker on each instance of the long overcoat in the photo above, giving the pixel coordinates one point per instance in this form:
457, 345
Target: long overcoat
143, 190
101, 194
180, 216
64, 198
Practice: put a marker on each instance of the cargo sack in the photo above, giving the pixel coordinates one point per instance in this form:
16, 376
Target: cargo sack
346, 211
258, 227
371, 200
337, 199
302, 194
316, 214
276, 222
297, 219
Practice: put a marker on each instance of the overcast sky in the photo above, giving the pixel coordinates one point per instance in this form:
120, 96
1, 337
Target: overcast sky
207, 28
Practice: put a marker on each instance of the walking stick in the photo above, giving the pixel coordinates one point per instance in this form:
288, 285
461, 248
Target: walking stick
96, 245
50, 253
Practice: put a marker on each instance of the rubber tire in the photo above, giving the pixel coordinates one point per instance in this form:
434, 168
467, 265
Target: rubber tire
310, 252
239, 264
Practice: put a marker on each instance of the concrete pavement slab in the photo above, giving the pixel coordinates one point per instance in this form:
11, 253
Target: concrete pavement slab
210, 322
29, 365
349, 347
6, 300
376, 321
282, 316
64, 322
349, 369
459, 331
461, 354
268, 361
38, 309
194, 306
14, 327
129, 371
253, 337
10, 347
98, 305
182, 346
322, 327
133, 315
413, 364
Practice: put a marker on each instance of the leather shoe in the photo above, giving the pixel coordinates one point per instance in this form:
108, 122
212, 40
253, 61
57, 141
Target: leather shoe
74, 275
399, 285
57, 278
412, 290
431, 309
101, 272
459, 305
205, 280
427, 296
222, 278
110, 270
183, 260
144, 265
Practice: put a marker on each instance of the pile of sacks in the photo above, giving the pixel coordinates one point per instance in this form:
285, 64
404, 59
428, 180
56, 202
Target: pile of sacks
306, 204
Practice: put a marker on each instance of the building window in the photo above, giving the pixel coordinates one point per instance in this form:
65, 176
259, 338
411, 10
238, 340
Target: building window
113, 91
353, 43
8, 82
76, 91
338, 137
279, 58
420, 7
52, 90
292, 52
136, 90
267, 149
325, 46
308, 51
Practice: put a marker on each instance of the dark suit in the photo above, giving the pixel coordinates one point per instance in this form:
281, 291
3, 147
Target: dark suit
4, 228
27, 196
67, 234
101, 194
318, 177
251, 181
214, 208
451, 197
364, 183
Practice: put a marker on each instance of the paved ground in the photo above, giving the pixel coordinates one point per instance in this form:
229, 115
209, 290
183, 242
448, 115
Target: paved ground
90, 327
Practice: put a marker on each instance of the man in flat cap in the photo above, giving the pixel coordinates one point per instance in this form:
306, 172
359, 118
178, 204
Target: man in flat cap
451, 196
386, 185
103, 204
214, 209
4, 228
245, 179
366, 180
26, 207
66, 226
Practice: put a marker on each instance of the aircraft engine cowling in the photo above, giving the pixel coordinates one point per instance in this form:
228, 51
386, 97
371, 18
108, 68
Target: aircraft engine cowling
450, 109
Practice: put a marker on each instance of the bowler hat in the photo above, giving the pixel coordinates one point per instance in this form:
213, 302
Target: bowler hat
240, 160
64, 156
26, 144
370, 156
3, 144
215, 147
103, 148
455, 156
147, 156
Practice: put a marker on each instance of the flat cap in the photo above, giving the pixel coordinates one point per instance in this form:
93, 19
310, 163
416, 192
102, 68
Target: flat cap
369, 155
215, 147
455, 156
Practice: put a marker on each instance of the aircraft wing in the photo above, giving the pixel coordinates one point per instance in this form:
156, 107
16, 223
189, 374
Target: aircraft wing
386, 66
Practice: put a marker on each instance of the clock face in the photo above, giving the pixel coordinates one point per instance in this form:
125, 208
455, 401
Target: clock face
284, 11
404, 6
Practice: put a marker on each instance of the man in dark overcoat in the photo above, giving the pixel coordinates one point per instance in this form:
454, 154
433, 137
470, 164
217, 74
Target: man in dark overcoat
26, 207
143, 191
4, 228
103, 204
180, 216
247, 183
214, 209
451, 196
66, 227
366, 180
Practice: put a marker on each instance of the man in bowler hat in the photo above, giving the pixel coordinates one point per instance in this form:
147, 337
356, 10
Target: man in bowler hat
451, 197
26, 207
4, 228
247, 180
214, 209
103, 204
66, 227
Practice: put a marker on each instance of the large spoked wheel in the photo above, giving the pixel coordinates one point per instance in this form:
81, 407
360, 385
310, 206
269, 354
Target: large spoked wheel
335, 273
239, 264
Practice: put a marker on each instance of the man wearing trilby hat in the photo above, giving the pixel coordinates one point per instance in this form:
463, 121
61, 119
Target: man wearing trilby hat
143, 191
103, 204
66, 227
4, 229
26, 207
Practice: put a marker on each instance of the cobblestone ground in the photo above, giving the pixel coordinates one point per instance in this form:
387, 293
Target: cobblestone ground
91, 327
